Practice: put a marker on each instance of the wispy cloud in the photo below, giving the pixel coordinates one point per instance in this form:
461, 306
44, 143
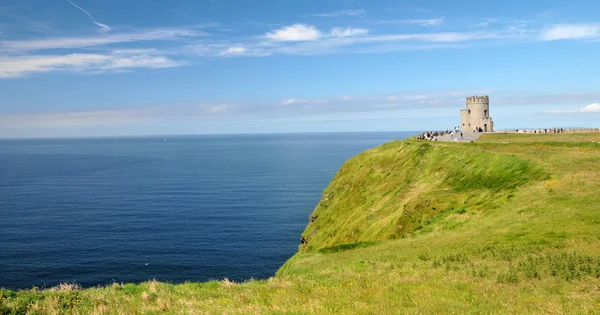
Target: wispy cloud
234, 51
162, 34
221, 108
71, 118
18, 66
303, 39
298, 101
428, 22
296, 32
115, 116
485, 23
25, 57
422, 22
103, 26
356, 13
287, 108
592, 108
348, 31
96, 53
291, 101
571, 31
414, 9
409, 102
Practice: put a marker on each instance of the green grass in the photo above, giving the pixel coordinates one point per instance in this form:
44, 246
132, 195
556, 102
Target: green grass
396, 189
508, 224
544, 137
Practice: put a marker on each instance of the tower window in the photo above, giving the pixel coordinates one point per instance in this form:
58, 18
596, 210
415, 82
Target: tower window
469, 111
485, 113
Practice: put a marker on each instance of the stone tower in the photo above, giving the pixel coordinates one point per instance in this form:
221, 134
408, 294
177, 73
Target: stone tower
476, 115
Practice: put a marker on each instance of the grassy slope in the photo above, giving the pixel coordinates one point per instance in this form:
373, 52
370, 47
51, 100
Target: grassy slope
515, 229
395, 189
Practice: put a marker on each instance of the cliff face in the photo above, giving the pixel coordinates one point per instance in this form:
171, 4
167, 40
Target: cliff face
397, 189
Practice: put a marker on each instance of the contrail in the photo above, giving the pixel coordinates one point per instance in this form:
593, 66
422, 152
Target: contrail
82, 9
104, 26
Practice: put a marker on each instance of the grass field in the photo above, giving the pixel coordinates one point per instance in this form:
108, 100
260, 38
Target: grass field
509, 224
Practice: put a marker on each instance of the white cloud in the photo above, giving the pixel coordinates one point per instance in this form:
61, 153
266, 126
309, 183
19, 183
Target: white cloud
296, 32
422, 22
159, 34
348, 31
390, 105
428, 22
234, 51
141, 61
376, 43
485, 23
217, 109
291, 101
131, 51
356, 13
571, 31
90, 54
22, 65
592, 108
428, 37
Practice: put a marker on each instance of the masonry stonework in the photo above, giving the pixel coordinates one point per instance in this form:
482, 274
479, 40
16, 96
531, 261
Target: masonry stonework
476, 117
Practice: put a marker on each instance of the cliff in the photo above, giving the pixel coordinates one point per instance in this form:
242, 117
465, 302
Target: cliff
510, 224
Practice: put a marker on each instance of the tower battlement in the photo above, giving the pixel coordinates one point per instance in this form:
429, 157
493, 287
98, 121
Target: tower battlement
478, 99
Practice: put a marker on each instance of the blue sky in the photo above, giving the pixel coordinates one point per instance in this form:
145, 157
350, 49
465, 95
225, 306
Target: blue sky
133, 67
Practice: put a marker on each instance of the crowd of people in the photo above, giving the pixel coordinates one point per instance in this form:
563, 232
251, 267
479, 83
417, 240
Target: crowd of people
456, 134
433, 135
546, 130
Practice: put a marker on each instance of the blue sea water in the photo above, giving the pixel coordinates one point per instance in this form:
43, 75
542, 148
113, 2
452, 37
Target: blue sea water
196, 208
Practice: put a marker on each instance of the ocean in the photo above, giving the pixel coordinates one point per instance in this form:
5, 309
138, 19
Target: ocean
176, 209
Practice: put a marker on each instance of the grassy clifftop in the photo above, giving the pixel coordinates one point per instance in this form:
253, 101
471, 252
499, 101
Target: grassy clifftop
396, 189
509, 224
